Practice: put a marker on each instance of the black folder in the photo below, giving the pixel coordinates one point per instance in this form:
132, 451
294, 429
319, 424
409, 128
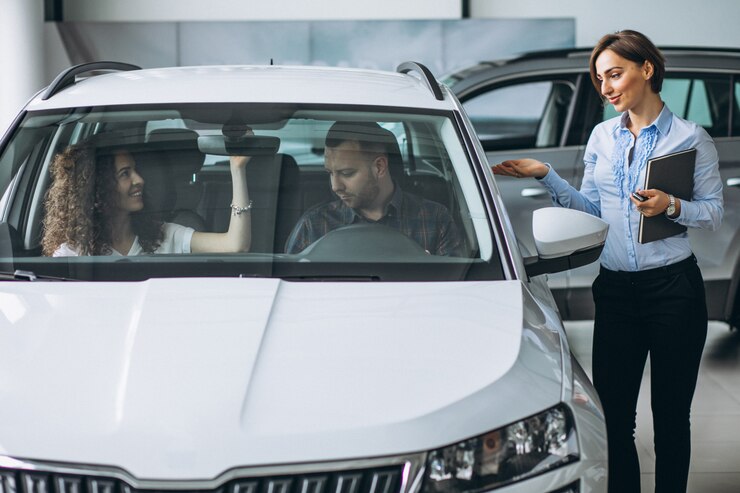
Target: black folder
673, 174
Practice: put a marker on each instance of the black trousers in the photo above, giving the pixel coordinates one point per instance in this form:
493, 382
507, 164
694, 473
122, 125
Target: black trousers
661, 312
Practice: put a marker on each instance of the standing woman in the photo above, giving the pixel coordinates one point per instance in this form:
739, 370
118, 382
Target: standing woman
649, 297
95, 206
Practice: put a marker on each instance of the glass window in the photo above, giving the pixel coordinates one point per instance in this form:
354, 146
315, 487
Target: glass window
170, 172
698, 105
526, 115
736, 110
690, 99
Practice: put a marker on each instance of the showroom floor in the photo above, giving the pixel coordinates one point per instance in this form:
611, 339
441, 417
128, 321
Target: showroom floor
715, 414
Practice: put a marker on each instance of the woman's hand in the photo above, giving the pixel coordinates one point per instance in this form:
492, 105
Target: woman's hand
521, 168
655, 204
238, 238
239, 162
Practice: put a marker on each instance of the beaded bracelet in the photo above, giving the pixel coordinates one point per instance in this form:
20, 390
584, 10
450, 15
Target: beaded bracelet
236, 211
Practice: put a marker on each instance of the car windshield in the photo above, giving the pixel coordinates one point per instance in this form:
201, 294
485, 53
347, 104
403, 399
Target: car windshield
140, 192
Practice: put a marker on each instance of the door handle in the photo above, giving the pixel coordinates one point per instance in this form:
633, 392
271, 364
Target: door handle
733, 182
535, 192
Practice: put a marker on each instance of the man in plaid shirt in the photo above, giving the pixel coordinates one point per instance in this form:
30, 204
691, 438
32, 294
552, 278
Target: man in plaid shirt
357, 157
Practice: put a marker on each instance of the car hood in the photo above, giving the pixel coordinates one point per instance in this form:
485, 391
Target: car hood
186, 378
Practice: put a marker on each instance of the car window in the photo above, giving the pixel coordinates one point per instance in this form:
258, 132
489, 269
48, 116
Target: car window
736, 109
525, 115
702, 99
182, 154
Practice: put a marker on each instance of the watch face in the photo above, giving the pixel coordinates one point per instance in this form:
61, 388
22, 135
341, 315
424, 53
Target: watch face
671, 209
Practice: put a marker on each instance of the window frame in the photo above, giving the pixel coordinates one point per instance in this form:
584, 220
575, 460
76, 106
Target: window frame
570, 77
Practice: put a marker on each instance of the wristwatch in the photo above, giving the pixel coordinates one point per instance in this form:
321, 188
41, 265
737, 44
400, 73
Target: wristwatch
671, 210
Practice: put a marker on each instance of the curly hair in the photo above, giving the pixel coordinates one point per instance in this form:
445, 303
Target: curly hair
81, 200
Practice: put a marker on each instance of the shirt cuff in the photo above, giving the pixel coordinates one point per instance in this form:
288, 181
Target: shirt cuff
548, 172
682, 213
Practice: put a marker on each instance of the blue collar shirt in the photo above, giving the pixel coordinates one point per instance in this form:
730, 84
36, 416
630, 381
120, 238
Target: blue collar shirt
615, 167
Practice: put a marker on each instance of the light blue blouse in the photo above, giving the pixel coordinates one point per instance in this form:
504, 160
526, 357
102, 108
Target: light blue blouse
609, 179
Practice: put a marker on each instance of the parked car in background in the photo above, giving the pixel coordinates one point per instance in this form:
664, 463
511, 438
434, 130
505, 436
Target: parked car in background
543, 105
362, 364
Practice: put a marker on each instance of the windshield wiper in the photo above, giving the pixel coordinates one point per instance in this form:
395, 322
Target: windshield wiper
331, 278
30, 276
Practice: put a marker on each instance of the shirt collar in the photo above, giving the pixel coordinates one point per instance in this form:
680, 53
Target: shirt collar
664, 120
662, 123
396, 199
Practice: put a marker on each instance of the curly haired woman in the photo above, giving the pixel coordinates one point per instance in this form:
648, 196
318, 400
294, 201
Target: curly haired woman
95, 206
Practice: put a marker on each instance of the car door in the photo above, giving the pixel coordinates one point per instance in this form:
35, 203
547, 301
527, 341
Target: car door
525, 117
530, 117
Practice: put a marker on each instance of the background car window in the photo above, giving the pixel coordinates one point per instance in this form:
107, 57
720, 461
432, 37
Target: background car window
521, 116
736, 110
701, 99
689, 98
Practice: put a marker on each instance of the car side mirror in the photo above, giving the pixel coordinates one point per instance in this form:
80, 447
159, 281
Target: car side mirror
565, 239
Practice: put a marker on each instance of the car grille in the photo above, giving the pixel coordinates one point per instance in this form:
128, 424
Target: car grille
375, 480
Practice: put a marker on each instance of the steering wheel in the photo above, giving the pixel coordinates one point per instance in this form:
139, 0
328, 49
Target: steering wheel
363, 242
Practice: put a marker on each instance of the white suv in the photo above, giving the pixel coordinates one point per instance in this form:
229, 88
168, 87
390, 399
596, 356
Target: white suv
361, 364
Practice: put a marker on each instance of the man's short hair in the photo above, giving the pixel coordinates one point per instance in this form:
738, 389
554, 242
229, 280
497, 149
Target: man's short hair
371, 137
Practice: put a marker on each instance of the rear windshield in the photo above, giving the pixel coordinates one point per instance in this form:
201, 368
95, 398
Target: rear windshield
301, 193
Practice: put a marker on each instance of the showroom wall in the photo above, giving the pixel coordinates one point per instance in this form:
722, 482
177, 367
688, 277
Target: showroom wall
442, 45
22, 40
677, 22
666, 22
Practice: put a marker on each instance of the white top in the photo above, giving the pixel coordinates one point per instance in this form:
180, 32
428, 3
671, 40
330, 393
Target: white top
176, 240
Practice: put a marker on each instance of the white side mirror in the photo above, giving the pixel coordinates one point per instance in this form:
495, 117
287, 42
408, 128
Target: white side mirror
559, 231
565, 239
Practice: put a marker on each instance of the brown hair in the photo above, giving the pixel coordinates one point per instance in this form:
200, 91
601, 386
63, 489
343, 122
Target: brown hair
635, 47
80, 201
371, 137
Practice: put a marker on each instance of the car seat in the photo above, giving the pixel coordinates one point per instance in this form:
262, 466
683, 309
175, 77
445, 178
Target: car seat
170, 163
274, 189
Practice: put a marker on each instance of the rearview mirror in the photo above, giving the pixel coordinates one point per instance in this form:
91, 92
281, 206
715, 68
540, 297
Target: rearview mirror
246, 145
565, 239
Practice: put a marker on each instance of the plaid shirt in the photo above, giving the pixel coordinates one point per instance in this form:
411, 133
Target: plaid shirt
426, 222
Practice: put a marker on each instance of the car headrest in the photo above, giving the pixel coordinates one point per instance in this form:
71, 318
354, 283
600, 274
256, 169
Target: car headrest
179, 146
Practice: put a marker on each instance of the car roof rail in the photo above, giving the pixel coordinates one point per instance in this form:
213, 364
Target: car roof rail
564, 52
710, 50
557, 53
68, 76
427, 77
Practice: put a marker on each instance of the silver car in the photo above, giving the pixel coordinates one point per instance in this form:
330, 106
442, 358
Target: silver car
365, 363
543, 105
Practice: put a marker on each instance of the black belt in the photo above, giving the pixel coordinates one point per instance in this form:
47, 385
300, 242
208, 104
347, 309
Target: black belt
647, 274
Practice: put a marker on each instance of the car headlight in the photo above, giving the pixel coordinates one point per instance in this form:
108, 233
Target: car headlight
526, 448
